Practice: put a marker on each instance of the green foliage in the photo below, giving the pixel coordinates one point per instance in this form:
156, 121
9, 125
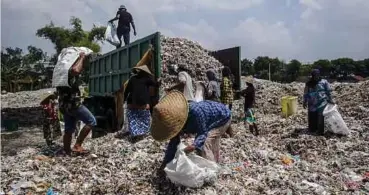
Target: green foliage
74, 36
63, 37
247, 67
336, 69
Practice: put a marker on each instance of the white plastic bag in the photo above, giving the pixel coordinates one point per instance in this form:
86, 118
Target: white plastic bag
333, 120
125, 122
200, 91
66, 59
111, 34
192, 170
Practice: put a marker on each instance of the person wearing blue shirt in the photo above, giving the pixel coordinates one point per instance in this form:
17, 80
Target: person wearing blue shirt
174, 117
317, 95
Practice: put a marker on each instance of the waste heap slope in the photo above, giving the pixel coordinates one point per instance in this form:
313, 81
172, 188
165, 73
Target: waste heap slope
284, 159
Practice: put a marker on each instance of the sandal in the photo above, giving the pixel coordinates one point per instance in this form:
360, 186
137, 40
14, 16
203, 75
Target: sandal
79, 150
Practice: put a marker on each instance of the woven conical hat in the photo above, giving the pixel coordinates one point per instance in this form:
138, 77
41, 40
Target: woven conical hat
46, 97
169, 116
143, 68
249, 79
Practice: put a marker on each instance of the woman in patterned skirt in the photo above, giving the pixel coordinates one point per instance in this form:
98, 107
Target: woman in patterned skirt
137, 95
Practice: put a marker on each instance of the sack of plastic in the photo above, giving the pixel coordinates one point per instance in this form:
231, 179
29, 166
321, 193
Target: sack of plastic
333, 120
125, 121
111, 34
200, 91
191, 170
66, 59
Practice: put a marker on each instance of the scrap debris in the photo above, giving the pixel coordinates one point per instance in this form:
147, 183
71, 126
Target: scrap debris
251, 165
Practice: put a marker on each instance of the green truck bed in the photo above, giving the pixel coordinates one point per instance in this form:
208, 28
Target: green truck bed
109, 71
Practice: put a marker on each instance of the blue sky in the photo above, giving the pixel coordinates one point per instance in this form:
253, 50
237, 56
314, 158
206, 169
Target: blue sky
303, 29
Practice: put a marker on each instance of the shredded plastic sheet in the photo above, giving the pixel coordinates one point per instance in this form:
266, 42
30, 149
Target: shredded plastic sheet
111, 34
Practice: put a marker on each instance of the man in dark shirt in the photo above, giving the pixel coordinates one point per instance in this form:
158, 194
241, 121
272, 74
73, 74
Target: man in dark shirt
125, 19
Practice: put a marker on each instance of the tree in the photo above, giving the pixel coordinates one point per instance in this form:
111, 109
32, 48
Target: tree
11, 66
324, 66
292, 71
305, 69
63, 37
247, 67
344, 66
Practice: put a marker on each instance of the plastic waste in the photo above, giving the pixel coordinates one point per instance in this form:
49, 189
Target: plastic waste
192, 170
199, 93
50, 191
333, 120
111, 34
67, 57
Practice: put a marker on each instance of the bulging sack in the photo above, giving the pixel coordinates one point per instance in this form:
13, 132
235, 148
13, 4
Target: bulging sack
111, 34
333, 120
192, 170
67, 57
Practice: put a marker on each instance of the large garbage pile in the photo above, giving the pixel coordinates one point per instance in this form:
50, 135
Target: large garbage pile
285, 159
178, 52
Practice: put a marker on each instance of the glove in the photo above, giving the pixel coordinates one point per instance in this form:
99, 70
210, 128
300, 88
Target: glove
305, 105
135, 33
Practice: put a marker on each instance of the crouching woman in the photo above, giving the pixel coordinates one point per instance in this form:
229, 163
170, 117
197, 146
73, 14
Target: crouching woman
173, 117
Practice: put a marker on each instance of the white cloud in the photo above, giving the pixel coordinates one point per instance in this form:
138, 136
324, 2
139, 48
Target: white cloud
317, 29
262, 38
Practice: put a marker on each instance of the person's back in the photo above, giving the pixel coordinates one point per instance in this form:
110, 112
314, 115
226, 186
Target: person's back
125, 19
139, 90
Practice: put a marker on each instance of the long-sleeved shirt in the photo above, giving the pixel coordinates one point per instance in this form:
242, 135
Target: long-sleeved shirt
137, 90
249, 95
226, 91
202, 117
317, 95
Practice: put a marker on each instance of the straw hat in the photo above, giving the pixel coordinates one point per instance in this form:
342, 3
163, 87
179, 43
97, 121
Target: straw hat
249, 79
169, 116
143, 68
46, 97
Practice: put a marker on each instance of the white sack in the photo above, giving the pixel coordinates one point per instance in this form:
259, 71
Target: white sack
333, 121
111, 34
192, 170
66, 59
125, 121
200, 92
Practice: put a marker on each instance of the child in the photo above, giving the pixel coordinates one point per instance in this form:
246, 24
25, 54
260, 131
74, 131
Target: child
51, 126
249, 94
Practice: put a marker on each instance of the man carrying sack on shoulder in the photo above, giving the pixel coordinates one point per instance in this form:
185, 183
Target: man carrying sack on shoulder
72, 109
174, 117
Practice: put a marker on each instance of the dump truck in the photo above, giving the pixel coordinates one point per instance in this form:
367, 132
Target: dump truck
109, 72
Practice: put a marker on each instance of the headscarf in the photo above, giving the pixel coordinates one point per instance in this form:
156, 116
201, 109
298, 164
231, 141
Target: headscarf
315, 72
211, 75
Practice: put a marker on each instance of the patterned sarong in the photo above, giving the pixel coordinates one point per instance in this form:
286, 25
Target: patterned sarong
139, 121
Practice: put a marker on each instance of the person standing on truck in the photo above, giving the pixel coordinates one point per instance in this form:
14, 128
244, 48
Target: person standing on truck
185, 84
227, 87
317, 95
137, 95
72, 109
125, 20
